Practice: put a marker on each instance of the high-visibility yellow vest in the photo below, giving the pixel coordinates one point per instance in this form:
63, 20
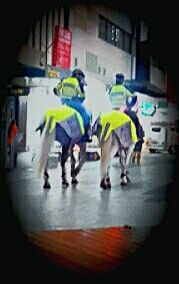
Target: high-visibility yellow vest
118, 95
116, 119
61, 114
69, 88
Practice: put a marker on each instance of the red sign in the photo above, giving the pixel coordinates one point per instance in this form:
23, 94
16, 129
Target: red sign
61, 50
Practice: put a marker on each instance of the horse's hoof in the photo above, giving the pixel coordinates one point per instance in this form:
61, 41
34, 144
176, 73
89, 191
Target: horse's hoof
46, 185
109, 185
74, 181
65, 184
128, 179
104, 185
123, 183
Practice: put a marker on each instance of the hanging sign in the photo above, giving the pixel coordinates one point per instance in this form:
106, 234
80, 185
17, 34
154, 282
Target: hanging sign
61, 49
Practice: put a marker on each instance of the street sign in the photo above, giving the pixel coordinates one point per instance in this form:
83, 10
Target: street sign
61, 50
148, 109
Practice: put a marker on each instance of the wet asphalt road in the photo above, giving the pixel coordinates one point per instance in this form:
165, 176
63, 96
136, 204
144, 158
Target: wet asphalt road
142, 203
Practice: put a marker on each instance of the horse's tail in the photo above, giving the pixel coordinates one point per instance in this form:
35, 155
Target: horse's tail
41, 125
47, 139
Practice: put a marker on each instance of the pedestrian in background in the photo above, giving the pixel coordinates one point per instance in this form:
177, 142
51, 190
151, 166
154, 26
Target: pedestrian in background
131, 110
11, 145
136, 155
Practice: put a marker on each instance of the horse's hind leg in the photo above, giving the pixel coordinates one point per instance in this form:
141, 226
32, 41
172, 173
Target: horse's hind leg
128, 158
75, 170
106, 151
64, 157
73, 163
46, 178
125, 159
122, 160
108, 178
113, 150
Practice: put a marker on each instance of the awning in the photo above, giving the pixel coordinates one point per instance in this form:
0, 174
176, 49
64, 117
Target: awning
144, 87
22, 70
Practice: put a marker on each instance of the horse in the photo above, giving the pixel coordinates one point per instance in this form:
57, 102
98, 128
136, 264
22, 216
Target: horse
116, 132
68, 132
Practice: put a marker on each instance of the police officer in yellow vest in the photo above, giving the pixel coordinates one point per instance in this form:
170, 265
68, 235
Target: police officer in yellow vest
118, 93
71, 92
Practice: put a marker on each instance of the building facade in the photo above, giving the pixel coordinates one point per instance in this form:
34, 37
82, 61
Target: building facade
104, 42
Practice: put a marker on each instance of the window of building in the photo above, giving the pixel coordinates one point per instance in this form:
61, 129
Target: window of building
59, 11
153, 61
127, 46
156, 63
104, 71
122, 40
110, 33
118, 38
114, 35
91, 62
53, 21
66, 17
33, 36
46, 34
102, 28
26, 39
40, 34
156, 129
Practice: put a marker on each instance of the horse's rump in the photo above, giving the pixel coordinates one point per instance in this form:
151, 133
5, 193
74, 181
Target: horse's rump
69, 127
65, 131
124, 134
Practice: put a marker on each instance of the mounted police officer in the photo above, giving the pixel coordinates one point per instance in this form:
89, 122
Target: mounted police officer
71, 92
118, 93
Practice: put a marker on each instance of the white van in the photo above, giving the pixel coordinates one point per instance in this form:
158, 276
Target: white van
158, 141
164, 138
